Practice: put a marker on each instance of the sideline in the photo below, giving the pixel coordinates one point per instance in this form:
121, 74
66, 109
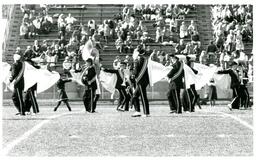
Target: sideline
15, 142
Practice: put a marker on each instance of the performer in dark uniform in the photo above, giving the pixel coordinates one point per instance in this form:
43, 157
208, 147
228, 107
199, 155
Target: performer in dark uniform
245, 97
17, 72
141, 77
89, 80
235, 85
123, 101
30, 100
192, 90
62, 93
176, 83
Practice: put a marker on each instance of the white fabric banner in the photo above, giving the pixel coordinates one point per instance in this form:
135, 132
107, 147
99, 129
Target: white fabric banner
44, 78
108, 81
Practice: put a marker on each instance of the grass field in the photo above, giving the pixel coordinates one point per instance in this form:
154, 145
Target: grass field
211, 131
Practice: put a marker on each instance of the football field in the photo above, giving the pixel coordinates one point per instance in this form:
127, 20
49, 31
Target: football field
211, 131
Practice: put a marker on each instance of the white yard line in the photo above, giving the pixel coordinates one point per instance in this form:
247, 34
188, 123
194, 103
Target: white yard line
244, 123
15, 142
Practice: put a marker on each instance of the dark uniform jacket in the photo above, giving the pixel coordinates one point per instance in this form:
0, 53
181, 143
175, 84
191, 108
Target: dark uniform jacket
61, 83
16, 69
140, 65
176, 75
234, 77
89, 76
120, 77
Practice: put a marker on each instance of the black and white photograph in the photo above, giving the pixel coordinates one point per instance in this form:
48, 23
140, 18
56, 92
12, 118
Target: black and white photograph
127, 79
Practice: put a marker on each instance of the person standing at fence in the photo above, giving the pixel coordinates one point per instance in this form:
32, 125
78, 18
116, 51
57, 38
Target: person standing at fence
176, 82
17, 77
62, 92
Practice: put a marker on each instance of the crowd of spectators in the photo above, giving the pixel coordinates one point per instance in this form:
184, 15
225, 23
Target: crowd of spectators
232, 26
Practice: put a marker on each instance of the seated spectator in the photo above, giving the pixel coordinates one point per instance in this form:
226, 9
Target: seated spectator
128, 61
126, 12
36, 49
211, 52
96, 39
176, 12
111, 25
221, 59
28, 54
106, 31
154, 56
67, 65
24, 31
220, 42
168, 12
146, 12
31, 30
183, 30
148, 51
166, 34
83, 30
195, 39
62, 25
51, 57
239, 42
203, 58
247, 32
161, 57
230, 42
18, 51
137, 8
119, 44
173, 25
56, 51
71, 48
37, 23
189, 49
124, 34
44, 46
116, 62
46, 26
192, 28
145, 38
91, 27
159, 35
179, 49
128, 48
70, 20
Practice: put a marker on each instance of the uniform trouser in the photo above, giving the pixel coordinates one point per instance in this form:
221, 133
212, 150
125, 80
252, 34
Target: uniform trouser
194, 97
186, 100
245, 98
123, 97
17, 98
237, 96
141, 91
88, 99
66, 102
96, 98
30, 100
173, 96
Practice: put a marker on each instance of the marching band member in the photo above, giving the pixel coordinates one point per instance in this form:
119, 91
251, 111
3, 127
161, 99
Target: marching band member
17, 76
176, 83
120, 86
89, 80
62, 93
235, 85
245, 97
141, 77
